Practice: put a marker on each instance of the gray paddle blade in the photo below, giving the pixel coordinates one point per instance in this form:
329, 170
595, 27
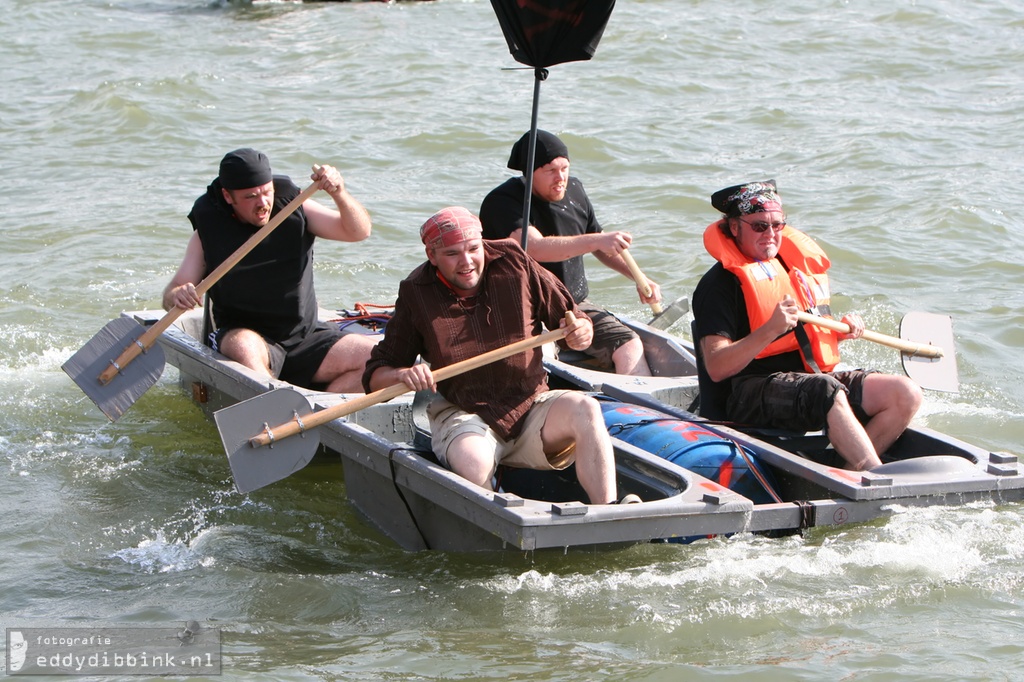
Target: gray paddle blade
937, 374
670, 315
254, 468
85, 367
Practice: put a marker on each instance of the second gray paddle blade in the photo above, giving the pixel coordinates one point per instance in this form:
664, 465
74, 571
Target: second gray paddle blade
255, 467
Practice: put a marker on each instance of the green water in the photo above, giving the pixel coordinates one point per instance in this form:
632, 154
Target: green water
893, 131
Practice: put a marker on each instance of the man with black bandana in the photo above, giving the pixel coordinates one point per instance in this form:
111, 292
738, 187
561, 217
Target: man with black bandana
265, 307
760, 365
562, 228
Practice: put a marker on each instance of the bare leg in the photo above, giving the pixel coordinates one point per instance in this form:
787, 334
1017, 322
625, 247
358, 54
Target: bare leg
891, 402
342, 368
629, 359
248, 348
576, 418
472, 457
849, 438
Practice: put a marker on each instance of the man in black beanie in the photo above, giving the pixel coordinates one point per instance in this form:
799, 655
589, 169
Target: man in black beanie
265, 307
563, 227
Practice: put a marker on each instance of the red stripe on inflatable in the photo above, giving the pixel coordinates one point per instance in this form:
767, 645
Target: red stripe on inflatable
725, 473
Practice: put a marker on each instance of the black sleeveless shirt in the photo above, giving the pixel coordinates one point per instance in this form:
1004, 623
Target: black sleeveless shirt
270, 290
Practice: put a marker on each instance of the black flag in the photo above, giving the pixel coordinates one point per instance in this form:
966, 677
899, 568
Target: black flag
541, 33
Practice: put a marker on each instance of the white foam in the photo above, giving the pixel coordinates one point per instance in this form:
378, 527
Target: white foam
159, 555
831, 572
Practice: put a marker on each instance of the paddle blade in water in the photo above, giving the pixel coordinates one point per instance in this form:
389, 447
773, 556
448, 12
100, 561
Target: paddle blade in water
938, 374
254, 468
670, 315
115, 397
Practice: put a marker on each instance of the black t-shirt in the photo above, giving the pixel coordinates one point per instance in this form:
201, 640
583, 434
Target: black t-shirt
501, 213
720, 309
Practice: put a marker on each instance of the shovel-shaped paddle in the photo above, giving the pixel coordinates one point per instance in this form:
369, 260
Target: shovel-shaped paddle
929, 359
115, 382
663, 317
260, 454
671, 314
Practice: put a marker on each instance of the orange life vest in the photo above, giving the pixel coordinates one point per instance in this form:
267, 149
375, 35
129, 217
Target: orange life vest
799, 270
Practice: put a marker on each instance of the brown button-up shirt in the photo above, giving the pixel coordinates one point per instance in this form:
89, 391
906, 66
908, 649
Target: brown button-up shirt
516, 300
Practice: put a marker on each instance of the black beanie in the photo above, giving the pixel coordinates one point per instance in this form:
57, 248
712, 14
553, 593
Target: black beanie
549, 148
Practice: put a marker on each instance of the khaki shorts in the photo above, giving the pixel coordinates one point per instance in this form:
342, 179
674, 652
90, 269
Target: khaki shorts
448, 422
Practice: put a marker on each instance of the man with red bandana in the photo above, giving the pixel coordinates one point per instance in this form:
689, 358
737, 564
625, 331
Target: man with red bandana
562, 228
760, 365
474, 296
265, 308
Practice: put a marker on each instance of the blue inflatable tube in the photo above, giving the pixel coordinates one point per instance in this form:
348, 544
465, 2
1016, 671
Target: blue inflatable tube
689, 445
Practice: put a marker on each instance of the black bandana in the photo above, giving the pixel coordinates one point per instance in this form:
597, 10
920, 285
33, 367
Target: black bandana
752, 197
244, 168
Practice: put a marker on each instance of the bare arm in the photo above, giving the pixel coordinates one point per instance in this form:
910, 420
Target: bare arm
181, 290
606, 247
348, 221
725, 358
419, 377
554, 249
416, 378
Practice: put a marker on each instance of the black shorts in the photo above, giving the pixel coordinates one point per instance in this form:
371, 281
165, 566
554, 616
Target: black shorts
609, 333
296, 360
794, 401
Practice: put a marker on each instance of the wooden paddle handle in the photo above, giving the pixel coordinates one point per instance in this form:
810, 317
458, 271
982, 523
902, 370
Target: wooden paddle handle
908, 347
393, 391
640, 279
144, 342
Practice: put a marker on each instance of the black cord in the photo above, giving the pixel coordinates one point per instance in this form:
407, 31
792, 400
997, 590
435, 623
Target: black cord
401, 495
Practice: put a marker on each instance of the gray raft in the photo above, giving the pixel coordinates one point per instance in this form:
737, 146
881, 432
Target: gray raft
393, 481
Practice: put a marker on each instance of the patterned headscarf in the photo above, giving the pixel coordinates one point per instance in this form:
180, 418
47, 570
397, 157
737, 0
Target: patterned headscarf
450, 226
752, 197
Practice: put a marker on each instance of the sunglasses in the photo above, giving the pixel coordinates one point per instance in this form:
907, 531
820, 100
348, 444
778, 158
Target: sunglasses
762, 226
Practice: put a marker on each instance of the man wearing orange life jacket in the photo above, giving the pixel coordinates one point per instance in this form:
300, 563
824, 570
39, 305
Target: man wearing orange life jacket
760, 366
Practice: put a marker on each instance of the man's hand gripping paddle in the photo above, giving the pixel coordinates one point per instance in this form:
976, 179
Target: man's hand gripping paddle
115, 381
929, 359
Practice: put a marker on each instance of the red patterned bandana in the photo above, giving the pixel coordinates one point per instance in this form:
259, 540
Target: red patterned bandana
450, 226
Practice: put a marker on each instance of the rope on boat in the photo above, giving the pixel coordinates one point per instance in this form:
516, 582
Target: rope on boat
361, 315
761, 478
616, 429
806, 513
